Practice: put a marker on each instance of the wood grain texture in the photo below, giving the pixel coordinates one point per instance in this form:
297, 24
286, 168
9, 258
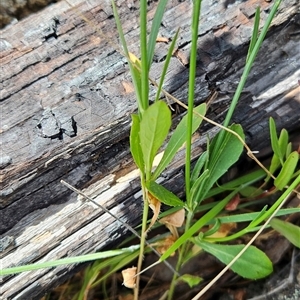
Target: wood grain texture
66, 102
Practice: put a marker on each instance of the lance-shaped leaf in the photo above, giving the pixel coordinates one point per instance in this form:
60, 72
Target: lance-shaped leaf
288, 230
203, 158
252, 264
135, 145
166, 66
178, 138
154, 127
283, 146
275, 141
287, 171
223, 156
164, 195
154, 29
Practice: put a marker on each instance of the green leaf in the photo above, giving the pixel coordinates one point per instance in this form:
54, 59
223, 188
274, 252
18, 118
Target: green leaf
198, 167
285, 149
178, 138
247, 217
283, 141
288, 149
254, 36
154, 128
197, 187
68, 260
156, 23
249, 64
259, 215
119, 27
251, 191
287, 171
190, 279
223, 157
274, 140
288, 230
253, 264
164, 195
166, 65
214, 229
113, 265
275, 163
135, 145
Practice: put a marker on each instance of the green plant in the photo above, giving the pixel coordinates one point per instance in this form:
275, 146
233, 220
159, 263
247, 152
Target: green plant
149, 131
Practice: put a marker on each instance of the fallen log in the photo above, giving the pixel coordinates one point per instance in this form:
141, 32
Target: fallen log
66, 100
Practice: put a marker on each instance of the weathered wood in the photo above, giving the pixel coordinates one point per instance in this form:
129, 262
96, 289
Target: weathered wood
66, 98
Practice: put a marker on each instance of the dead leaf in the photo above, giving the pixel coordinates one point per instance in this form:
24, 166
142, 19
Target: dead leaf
165, 244
155, 205
233, 203
181, 57
129, 277
161, 39
128, 87
173, 221
134, 59
176, 219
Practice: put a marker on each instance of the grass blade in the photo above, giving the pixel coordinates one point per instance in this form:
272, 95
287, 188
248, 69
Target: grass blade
144, 56
254, 33
65, 261
166, 65
135, 73
154, 29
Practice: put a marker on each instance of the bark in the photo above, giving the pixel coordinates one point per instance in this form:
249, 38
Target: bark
66, 100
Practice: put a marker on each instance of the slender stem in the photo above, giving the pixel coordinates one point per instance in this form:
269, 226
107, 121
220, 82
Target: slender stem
181, 255
144, 104
192, 75
143, 236
144, 54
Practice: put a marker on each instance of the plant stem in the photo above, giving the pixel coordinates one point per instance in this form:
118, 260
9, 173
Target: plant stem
192, 75
181, 255
144, 55
143, 236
